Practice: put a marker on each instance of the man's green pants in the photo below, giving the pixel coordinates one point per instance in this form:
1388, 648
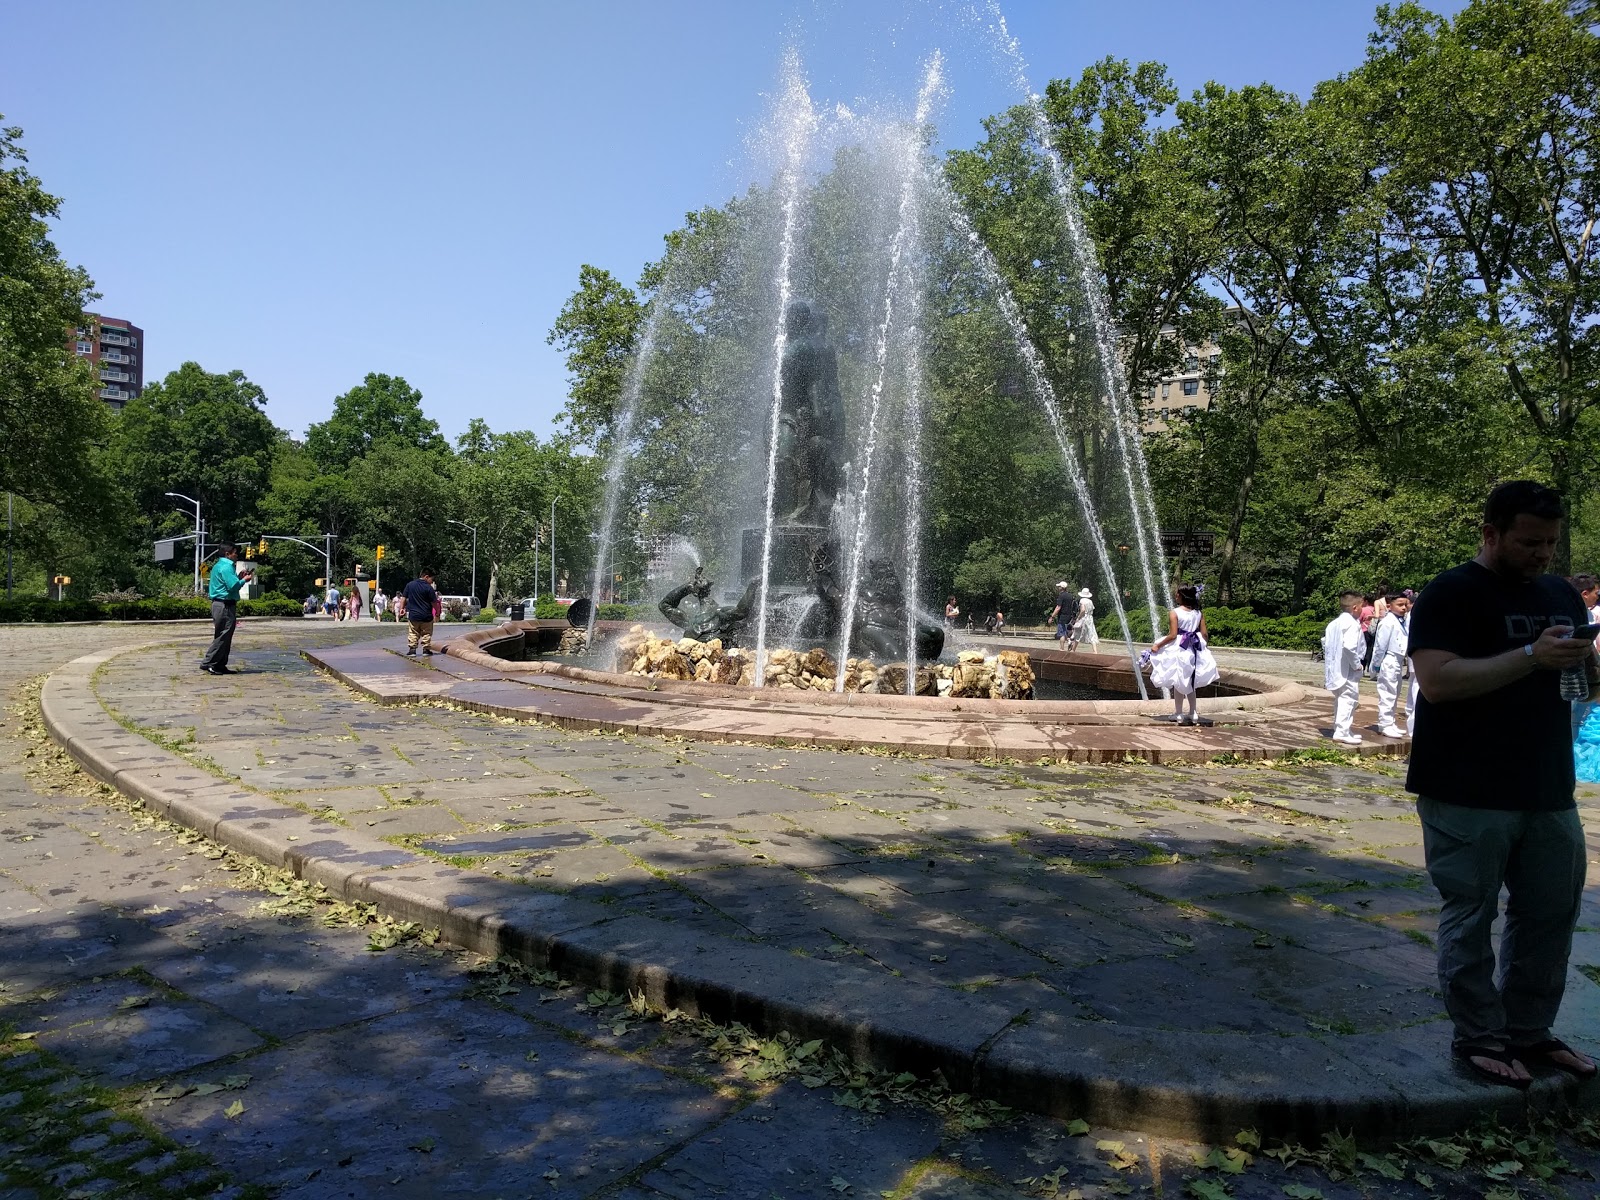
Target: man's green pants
1539, 858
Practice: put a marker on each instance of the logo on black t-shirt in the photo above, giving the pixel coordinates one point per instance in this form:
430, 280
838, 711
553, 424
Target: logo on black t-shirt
1525, 627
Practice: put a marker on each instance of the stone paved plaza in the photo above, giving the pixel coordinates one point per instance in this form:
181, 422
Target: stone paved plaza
1271, 903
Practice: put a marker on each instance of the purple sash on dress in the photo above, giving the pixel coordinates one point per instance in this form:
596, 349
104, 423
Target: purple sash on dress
1190, 640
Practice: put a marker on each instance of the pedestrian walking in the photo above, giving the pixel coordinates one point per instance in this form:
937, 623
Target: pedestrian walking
1343, 647
1182, 661
1388, 663
1064, 614
951, 612
398, 605
1368, 616
228, 575
1492, 770
1083, 631
355, 603
380, 603
422, 607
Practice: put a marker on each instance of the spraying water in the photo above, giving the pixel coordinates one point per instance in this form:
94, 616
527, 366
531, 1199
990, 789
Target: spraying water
633, 388
1046, 394
1124, 417
905, 234
797, 122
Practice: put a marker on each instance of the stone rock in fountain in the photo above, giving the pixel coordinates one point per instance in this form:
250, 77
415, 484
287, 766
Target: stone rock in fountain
574, 640
1008, 676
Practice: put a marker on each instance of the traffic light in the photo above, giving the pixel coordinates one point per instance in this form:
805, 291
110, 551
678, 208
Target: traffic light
261, 548
379, 554
249, 551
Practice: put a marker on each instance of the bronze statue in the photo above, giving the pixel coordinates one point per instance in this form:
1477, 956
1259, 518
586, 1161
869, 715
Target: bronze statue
810, 470
692, 609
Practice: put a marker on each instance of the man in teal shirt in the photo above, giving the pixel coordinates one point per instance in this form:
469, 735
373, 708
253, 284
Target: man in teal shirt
227, 577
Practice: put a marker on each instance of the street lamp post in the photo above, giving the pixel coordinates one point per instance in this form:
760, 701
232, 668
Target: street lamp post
199, 535
474, 529
552, 545
326, 550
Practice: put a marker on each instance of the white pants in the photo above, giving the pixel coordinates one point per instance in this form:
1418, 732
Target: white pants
1344, 707
1390, 676
1411, 704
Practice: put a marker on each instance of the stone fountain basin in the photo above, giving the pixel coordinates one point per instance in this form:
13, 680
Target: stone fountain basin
1238, 697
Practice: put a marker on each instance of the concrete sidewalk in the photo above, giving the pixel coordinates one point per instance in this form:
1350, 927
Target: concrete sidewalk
1189, 950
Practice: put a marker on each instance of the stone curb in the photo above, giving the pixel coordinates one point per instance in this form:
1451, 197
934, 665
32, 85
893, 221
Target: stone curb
1177, 1083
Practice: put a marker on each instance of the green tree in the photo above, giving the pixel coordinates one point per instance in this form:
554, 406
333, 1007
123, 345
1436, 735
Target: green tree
381, 407
504, 483
1482, 129
596, 329
50, 413
204, 435
406, 496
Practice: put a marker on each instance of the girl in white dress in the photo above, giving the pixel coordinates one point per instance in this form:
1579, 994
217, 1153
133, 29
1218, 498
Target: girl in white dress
1182, 661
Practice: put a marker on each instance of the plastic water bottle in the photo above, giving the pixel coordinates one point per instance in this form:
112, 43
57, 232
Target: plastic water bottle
1574, 683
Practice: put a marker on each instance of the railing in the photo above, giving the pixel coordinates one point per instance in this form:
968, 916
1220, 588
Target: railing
113, 393
114, 376
116, 356
115, 339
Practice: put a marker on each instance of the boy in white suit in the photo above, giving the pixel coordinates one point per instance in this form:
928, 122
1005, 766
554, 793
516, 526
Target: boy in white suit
1343, 645
1388, 664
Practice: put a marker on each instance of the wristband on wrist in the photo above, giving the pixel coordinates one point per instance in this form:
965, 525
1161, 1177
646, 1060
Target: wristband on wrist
1528, 649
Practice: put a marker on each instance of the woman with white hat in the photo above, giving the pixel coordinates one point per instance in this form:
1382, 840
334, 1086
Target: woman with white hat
1083, 629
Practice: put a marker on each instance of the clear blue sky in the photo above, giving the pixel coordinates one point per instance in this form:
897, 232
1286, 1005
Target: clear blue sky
311, 191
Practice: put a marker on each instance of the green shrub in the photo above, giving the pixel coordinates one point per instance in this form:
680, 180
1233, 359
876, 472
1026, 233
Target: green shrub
486, 616
1228, 627
273, 604
154, 608
620, 612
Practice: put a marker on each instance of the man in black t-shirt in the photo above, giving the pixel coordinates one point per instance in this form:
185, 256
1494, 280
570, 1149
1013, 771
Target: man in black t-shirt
420, 601
1491, 765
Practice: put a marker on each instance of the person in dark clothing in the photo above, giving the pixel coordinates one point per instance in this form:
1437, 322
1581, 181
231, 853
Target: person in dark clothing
1492, 770
420, 602
227, 577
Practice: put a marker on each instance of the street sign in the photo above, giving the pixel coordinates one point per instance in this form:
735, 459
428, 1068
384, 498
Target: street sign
166, 549
1189, 543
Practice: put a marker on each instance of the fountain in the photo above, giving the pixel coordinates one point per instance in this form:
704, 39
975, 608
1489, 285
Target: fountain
776, 419
837, 480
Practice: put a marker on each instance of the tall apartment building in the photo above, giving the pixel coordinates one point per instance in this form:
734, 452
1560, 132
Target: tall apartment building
115, 348
1190, 385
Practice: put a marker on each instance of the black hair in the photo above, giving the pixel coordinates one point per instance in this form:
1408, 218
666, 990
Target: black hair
1393, 596
1584, 582
1188, 595
226, 547
1348, 592
426, 572
1518, 496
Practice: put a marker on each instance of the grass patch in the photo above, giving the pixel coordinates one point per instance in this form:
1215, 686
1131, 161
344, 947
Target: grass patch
58, 1110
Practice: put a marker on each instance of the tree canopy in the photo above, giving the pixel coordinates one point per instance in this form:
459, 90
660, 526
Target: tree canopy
51, 415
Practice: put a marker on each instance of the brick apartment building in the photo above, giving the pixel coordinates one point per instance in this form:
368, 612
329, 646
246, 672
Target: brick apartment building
115, 348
